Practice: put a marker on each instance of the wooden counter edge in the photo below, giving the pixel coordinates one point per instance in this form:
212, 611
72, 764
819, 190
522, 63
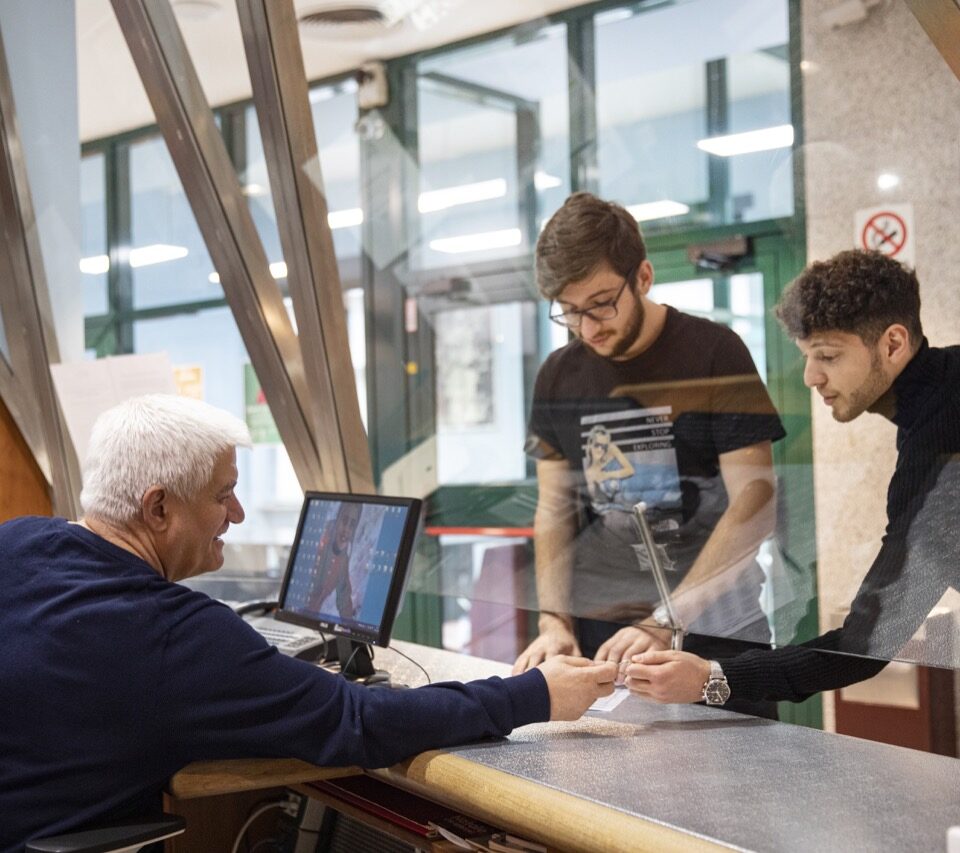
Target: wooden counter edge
536, 811
210, 778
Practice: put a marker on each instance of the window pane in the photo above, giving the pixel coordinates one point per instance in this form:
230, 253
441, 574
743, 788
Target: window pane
334, 111
761, 183
169, 260
487, 115
93, 234
672, 80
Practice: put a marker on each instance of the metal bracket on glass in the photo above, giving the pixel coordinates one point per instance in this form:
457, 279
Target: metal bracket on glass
656, 566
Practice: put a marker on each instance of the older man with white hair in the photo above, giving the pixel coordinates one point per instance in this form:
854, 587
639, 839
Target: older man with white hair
115, 676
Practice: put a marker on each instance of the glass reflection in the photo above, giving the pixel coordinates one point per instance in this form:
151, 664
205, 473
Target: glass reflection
661, 100
168, 258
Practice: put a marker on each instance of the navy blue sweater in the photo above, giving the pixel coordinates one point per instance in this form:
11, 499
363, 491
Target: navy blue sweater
113, 678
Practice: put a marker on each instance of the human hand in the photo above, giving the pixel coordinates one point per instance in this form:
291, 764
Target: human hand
667, 676
556, 638
634, 640
575, 683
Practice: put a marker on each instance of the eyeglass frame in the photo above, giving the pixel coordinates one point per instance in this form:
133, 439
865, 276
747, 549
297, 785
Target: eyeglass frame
587, 312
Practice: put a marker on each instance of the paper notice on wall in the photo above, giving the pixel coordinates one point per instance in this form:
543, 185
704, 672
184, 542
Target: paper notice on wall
88, 388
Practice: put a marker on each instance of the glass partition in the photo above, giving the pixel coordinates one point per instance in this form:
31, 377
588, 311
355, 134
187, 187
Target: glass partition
693, 115
168, 299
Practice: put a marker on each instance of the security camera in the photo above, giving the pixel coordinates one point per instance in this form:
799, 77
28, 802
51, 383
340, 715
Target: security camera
372, 91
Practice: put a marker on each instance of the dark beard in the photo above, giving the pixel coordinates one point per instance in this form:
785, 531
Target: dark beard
631, 334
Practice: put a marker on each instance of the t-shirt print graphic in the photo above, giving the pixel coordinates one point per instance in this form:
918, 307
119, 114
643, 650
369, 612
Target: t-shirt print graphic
628, 457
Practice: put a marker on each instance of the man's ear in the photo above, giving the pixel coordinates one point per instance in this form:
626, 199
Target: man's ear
153, 507
895, 345
644, 278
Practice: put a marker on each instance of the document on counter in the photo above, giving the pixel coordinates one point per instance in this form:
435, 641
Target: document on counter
606, 704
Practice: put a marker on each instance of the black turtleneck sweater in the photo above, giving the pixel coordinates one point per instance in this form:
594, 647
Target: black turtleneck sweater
918, 560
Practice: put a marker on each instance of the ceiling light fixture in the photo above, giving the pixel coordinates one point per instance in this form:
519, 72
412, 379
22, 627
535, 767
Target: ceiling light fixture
765, 139
95, 265
477, 242
157, 253
144, 256
546, 181
657, 210
278, 269
345, 218
433, 200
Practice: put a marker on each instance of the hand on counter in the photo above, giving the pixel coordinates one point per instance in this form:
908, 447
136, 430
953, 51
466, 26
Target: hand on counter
556, 638
667, 676
634, 640
575, 683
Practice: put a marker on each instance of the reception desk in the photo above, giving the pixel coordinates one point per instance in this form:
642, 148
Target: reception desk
651, 777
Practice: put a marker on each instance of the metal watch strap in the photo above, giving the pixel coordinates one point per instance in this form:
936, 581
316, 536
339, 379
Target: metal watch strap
716, 691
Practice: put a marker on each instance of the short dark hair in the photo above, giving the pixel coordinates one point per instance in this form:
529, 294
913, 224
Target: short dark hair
860, 292
580, 237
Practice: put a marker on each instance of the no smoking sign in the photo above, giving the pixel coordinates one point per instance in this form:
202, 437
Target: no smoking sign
888, 230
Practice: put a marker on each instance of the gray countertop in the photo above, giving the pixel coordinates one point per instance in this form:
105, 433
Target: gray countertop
746, 782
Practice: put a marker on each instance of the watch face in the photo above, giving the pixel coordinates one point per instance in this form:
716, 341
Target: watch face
716, 692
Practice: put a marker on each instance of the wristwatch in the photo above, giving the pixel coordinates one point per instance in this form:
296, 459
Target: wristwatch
716, 691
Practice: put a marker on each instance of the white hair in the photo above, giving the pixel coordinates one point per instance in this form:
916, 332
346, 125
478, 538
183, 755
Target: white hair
156, 440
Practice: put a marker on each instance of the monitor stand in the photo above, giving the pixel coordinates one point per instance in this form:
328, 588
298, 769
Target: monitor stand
356, 664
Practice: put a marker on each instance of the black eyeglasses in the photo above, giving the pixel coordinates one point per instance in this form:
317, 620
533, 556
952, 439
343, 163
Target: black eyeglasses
571, 318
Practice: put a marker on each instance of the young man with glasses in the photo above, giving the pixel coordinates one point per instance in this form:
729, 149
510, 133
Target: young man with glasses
680, 399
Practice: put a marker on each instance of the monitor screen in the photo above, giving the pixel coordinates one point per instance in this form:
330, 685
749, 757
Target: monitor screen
348, 564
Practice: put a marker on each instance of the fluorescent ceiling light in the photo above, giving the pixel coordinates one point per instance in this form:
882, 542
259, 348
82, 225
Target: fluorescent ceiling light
657, 209
464, 194
254, 190
477, 242
157, 253
546, 181
278, 269
320, 94
887, 180
141, 257
345, 218
95, 265
765, 139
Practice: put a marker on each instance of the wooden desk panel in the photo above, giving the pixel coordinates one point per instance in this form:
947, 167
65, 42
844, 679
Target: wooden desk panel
210, 778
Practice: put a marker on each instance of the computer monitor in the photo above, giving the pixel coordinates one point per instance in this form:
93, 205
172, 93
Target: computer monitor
346, 571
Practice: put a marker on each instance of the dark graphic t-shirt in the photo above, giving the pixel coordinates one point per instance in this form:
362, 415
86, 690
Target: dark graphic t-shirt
653, 429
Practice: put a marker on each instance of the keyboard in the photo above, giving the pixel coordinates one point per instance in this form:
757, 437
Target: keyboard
289, 639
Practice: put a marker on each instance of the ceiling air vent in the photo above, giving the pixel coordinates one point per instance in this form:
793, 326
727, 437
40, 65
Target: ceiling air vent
345, 20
